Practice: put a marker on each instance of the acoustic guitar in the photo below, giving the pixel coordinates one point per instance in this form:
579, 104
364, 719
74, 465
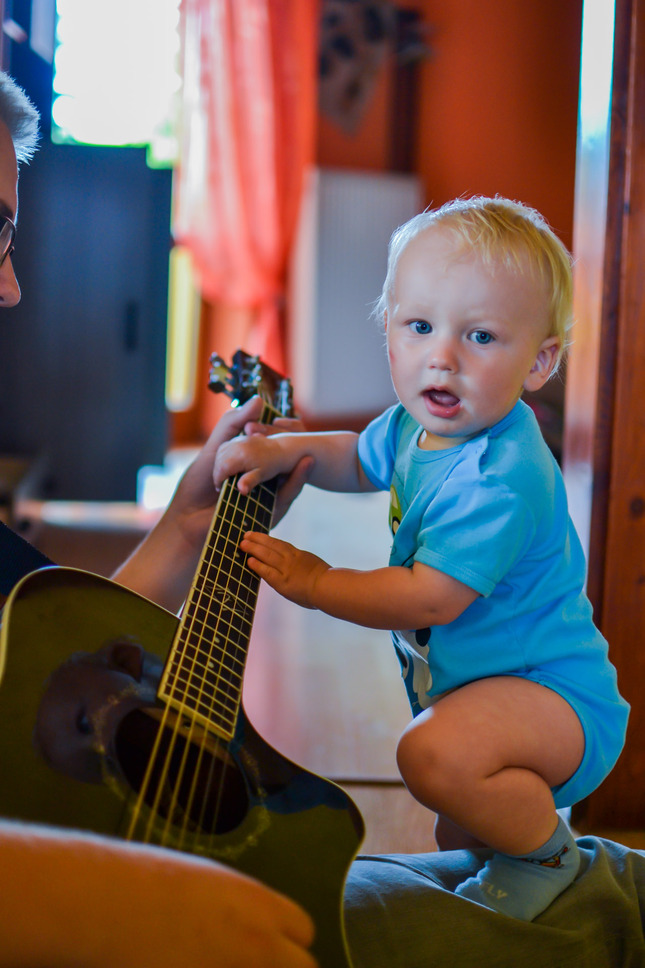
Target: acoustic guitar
183, 767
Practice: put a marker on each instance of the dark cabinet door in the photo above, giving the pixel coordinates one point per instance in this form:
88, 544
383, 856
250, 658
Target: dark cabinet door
82, 358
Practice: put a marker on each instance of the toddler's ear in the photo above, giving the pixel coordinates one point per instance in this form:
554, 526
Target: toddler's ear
545, 361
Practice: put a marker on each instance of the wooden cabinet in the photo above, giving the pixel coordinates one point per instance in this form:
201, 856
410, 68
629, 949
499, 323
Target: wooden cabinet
82, 358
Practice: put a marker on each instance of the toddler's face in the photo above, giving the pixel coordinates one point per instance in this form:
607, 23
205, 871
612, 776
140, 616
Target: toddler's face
464, 338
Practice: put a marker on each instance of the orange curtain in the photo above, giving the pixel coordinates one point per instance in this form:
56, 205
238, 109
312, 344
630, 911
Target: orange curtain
246, 139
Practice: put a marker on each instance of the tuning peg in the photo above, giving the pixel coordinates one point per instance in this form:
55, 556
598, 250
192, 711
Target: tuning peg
219, 374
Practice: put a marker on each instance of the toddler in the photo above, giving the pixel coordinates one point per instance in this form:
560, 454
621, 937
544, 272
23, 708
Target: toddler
516, 711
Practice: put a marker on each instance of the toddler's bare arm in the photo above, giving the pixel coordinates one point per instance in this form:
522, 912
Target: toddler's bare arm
385, 598
336, 466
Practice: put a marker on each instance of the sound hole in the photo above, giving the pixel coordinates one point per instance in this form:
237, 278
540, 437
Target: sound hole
194, 782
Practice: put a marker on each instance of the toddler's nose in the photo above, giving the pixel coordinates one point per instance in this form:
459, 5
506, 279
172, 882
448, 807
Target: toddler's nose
443, 354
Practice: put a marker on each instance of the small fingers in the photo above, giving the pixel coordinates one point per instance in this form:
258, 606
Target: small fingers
280, 426
246, 482
254, 429
263, 547
291, 425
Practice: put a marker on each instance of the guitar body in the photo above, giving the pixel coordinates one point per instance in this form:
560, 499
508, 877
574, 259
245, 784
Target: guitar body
285, 826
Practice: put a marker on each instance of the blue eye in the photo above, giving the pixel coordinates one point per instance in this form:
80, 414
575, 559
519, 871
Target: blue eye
420, 326
482, 337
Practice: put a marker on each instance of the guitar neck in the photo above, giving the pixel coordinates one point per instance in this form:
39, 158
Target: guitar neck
205, 668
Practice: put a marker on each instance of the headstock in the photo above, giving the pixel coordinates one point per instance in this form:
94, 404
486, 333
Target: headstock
248, 376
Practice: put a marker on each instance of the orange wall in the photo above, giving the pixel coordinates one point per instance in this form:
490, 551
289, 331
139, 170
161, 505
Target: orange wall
498, 106
497, 114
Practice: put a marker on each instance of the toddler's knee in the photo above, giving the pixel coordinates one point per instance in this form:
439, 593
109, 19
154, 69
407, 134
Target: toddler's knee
427, 766
407, 754
417, 759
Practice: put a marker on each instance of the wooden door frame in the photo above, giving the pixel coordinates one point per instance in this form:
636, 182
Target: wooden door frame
604, 441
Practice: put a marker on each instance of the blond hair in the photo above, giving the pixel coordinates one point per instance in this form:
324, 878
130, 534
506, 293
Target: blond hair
501, 231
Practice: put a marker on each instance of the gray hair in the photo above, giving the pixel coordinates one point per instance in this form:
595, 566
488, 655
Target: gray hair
20, 116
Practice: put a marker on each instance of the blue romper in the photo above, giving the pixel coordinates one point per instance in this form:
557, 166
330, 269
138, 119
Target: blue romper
493, 514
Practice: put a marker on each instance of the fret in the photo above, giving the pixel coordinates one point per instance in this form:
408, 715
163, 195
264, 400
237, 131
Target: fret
234, 580
225, 594
211, 661
229, 623
204, 673
194, 697
193, 651
212, 674
216, 720
222, 683
224, 542
225, 637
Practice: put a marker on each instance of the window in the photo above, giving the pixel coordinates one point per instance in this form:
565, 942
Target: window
116, 74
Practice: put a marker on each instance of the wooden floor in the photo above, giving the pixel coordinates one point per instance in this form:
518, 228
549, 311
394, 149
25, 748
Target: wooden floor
325, 693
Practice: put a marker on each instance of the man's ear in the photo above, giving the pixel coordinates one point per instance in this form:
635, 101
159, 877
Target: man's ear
385, 320
545, 361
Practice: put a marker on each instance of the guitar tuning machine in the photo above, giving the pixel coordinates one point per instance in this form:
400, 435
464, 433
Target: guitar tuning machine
284, 396
219, 374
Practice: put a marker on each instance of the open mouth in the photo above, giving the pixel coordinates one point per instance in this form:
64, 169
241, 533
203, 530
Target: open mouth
441, 403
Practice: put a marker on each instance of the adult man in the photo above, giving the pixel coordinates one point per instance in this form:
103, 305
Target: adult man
77, 898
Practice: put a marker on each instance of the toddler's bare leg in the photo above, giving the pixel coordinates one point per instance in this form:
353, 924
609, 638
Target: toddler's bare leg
487, 755
451, 837
485, 758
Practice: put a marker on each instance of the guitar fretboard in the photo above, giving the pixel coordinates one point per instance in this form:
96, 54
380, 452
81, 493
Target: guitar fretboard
205, 669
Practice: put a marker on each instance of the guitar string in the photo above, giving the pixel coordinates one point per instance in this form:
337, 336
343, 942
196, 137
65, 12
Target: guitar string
195, 603
168, 710
188, 740
243, 592
247, 583
219, 592
235, 570
179, 664
184, 666
162, 731
189, 666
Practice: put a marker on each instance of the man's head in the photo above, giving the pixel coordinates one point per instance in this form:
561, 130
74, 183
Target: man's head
500, 232
18, 141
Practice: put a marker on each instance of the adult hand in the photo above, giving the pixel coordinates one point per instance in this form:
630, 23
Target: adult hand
196, 495
231, 921
163, 565
78, 899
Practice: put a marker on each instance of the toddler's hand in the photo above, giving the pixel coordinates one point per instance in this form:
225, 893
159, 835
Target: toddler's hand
281, 425
292, 572
256, 459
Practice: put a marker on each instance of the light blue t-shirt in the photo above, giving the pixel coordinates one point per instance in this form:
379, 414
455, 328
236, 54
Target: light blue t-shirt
493, 514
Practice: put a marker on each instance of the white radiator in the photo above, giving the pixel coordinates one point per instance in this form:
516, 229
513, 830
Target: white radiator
337, 349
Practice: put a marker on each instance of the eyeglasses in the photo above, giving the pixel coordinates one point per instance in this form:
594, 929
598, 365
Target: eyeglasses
7, 237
